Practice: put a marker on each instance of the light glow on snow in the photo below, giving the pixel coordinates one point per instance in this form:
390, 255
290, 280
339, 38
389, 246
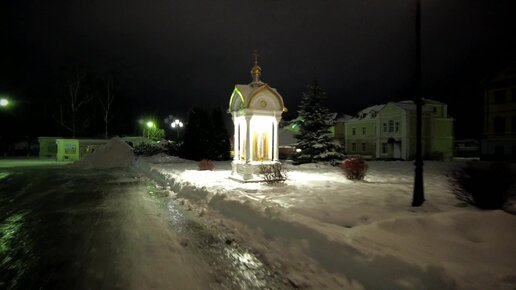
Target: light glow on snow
370, 219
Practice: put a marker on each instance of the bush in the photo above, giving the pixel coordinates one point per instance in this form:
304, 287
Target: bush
484, 185
354, 168
145, 149
206, 164
171, 148
273, 173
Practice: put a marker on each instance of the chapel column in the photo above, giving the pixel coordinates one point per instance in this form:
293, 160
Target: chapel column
276, 141
236, 150
248, 145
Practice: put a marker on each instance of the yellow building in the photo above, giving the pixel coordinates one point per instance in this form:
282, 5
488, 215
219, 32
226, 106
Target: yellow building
389, 131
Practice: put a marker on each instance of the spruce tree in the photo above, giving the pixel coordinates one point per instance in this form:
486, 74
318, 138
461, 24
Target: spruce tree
315, 140
206, 136
221, 145
198, 138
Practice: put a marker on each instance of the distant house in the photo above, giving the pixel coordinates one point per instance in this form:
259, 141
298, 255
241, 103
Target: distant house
71, 149
339, 130
388, 131
499, 138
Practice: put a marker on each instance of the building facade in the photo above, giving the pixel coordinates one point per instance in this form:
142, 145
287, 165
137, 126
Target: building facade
389, 131
499, 138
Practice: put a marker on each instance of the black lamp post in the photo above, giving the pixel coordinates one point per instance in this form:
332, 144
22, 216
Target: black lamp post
418, 196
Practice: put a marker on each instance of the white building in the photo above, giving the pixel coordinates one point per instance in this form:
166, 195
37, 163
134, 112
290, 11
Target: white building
256, 110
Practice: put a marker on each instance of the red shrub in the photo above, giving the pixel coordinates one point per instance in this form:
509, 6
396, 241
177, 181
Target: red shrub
206, 164
354, 168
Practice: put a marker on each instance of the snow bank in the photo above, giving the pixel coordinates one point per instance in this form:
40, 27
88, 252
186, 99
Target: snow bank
476, 248
162, 158
114, 154
325, 232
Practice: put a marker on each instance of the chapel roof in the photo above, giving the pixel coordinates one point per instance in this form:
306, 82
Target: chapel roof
243, 94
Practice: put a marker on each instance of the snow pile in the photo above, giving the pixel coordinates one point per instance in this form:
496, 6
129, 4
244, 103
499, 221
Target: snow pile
326, 232
162, 158
114, 154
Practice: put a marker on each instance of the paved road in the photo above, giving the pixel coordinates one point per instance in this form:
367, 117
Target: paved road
63, 228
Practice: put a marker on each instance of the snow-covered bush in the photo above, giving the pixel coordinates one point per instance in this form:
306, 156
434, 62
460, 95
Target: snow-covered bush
483, 184
206, 164
171, 148
145, 149
354, 168
273, 173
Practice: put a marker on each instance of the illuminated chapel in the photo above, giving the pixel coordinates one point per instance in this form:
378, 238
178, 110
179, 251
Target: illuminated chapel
256, 110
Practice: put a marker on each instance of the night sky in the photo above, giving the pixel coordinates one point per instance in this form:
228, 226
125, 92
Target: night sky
169, 56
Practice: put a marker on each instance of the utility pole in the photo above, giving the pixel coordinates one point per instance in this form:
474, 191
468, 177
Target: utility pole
418, 196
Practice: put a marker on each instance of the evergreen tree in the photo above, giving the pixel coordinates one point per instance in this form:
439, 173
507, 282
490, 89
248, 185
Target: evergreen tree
205, 136
198, 136
315, 139
221, 144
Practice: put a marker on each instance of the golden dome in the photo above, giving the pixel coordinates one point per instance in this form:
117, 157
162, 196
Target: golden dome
256, 71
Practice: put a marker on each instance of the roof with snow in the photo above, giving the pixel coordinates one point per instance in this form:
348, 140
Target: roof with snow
256, 95
243, 96
407, 105
343, 118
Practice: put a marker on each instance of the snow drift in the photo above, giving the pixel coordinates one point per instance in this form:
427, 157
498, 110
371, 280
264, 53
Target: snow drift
323, 231
114, 154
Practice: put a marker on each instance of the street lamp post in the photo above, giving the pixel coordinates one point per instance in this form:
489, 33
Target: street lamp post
176, 125
418, 196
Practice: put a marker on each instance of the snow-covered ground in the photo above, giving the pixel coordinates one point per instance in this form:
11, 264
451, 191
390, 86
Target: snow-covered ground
323, 231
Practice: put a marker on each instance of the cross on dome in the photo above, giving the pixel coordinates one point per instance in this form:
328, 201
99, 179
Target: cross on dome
256, 71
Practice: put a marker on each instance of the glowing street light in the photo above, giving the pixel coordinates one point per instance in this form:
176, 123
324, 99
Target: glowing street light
4, 102
176, 125
150, 124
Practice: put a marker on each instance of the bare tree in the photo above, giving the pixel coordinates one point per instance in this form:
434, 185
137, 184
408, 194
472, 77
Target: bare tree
105, 101
75, 99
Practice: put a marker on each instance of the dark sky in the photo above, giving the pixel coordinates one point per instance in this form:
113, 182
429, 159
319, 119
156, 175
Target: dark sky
172, 55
